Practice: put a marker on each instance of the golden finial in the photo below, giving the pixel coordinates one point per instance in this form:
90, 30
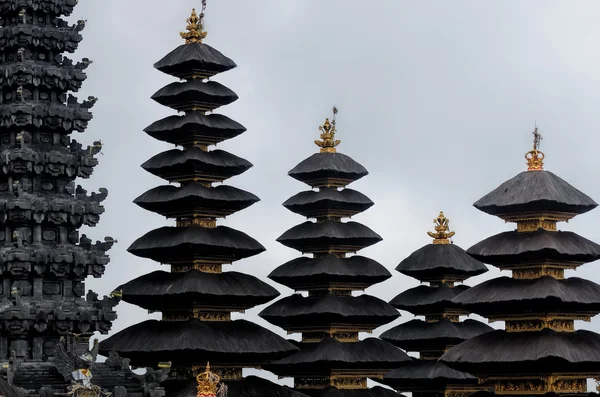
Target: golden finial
442, 233
195, 27
535, 158
328, 141
207, 383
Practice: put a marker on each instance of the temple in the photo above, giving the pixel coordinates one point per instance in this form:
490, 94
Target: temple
539, 351
442, 264
46, 316
196, 297
332, 360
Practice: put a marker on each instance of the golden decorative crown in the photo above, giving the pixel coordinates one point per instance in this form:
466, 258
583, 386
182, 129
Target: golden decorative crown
195, 29
207, 383
535, 158
442, 233
328, 141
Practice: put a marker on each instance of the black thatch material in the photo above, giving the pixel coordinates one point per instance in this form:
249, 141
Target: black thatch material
195, 127
328, 166
329, 354
193, 162
173, 244
535, 191
328, 200
505, 295
319, 236
195, 199
512, 248
440, 261
547, 351
186, 343
418, 335
161, 290
426, 375
250, 386
376, 391
195, 95
424, 300
304, 272
297, 311
7, 390
194, 59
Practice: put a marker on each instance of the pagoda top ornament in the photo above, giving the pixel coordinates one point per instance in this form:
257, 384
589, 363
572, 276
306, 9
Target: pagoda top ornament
195, 27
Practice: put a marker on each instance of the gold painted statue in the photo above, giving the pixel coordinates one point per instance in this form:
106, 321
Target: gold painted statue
442, 232
208, 384
535, 158
328, 141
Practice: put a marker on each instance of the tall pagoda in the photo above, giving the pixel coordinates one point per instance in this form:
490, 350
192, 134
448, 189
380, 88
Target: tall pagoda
332, 359
196, 298
539, 351
46, 316
442, 264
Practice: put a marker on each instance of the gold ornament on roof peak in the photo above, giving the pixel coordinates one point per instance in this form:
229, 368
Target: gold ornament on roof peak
195, 27
535, 158
442, 232
208, 383
328, 141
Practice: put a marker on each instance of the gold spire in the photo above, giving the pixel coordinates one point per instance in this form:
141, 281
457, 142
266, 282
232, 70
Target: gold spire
535, 158
207, 383
328, 141
195, 28
442, 233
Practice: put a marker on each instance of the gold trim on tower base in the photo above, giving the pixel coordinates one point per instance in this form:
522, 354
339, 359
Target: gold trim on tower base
533, 385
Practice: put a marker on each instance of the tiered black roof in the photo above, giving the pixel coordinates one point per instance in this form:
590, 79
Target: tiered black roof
442, 264
330, 318
196, 297
44, 261
540, 350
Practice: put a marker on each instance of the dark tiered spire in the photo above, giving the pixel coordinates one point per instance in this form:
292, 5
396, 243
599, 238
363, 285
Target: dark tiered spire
46, 316
196, 298
442, 264
330, 318
539, 351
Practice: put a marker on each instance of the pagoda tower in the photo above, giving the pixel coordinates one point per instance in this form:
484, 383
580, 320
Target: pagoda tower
196, 297
46, 316
539, 351
442, 264
330, 318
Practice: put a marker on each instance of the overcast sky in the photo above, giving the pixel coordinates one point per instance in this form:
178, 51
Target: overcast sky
436, 99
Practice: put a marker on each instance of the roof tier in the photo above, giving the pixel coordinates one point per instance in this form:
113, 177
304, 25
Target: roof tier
421, 336
328, 169
435, 262
535, 192
426, 376
511, 249
52, 77
195, 128
194, 60
195, 95
194, 199
509, 297
424, 300
184, 291
196, 164
54, 117
195, 243
328, 201
298, 313
501, 352
357, 272
329, 236
236, 342
315, 359
41, 38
